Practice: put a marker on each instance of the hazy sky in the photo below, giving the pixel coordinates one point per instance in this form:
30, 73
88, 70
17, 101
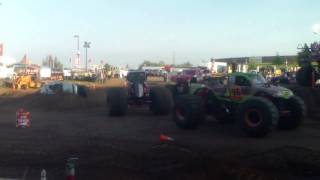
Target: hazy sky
129, 31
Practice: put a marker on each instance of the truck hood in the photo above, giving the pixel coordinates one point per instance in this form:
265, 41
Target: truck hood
275, 91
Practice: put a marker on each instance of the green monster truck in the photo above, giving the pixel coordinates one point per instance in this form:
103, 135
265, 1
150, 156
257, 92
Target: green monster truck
245, 98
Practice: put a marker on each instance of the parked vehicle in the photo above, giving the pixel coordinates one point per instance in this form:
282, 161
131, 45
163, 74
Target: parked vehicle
192, 75
245, 98
137, 93
24, 81
57, 87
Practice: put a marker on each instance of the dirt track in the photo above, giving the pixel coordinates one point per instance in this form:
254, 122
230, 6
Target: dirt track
129, 147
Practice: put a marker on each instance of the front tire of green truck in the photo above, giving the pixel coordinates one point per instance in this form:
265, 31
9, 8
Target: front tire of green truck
188, 111
293, 120
256, 116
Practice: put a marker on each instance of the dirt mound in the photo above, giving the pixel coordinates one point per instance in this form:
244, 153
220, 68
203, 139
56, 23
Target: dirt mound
56, 102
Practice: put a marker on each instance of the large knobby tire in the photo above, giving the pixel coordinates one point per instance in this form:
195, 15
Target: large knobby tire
256, 116
189, 111
222, 112
117, 102
293, 119
178, 89
161, 101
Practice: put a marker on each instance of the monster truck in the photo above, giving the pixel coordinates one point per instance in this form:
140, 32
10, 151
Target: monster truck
137, 92
181, 81
247, 99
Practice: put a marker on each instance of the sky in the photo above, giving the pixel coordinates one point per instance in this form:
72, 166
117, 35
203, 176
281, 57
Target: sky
127, 32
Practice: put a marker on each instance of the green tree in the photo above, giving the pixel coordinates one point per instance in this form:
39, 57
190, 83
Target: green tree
186, 64
57, 64
293, 62
252, 66
161, 63
107, 67
52, 63
147, 63
304, 56
277, 61
47, 61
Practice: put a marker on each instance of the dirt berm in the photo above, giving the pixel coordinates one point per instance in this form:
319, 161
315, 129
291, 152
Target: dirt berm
56, 102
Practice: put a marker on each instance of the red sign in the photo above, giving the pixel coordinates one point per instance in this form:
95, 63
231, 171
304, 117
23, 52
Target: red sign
236, 93
23, 118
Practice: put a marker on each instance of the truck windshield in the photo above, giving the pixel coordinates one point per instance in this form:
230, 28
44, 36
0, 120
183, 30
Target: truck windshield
136, 76
258, 79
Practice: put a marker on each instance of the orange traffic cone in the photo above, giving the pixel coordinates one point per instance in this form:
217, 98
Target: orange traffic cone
164, 138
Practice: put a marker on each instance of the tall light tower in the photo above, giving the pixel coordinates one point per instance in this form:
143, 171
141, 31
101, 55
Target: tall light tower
78, 49
86, 45
173, 57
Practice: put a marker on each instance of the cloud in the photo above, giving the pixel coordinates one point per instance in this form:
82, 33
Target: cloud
316, 28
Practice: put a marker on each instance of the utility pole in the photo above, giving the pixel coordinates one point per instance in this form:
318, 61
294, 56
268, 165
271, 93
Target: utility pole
78, 49
86, 46
173, 57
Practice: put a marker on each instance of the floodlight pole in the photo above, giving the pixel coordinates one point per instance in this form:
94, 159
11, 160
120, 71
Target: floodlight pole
86, 45
78, 48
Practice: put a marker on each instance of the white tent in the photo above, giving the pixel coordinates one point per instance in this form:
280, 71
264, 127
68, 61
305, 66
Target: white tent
5, 71
7, 60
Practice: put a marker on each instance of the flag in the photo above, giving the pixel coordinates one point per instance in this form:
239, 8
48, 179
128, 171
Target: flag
1, 49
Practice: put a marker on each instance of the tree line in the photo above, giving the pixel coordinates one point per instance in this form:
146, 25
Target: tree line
278, 61
52, 62
148, 63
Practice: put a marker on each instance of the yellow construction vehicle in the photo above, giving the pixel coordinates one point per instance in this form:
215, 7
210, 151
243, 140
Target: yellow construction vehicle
25, 82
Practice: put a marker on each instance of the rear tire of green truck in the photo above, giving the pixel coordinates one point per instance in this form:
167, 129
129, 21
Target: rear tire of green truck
293, 120
188, 111
256, 115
